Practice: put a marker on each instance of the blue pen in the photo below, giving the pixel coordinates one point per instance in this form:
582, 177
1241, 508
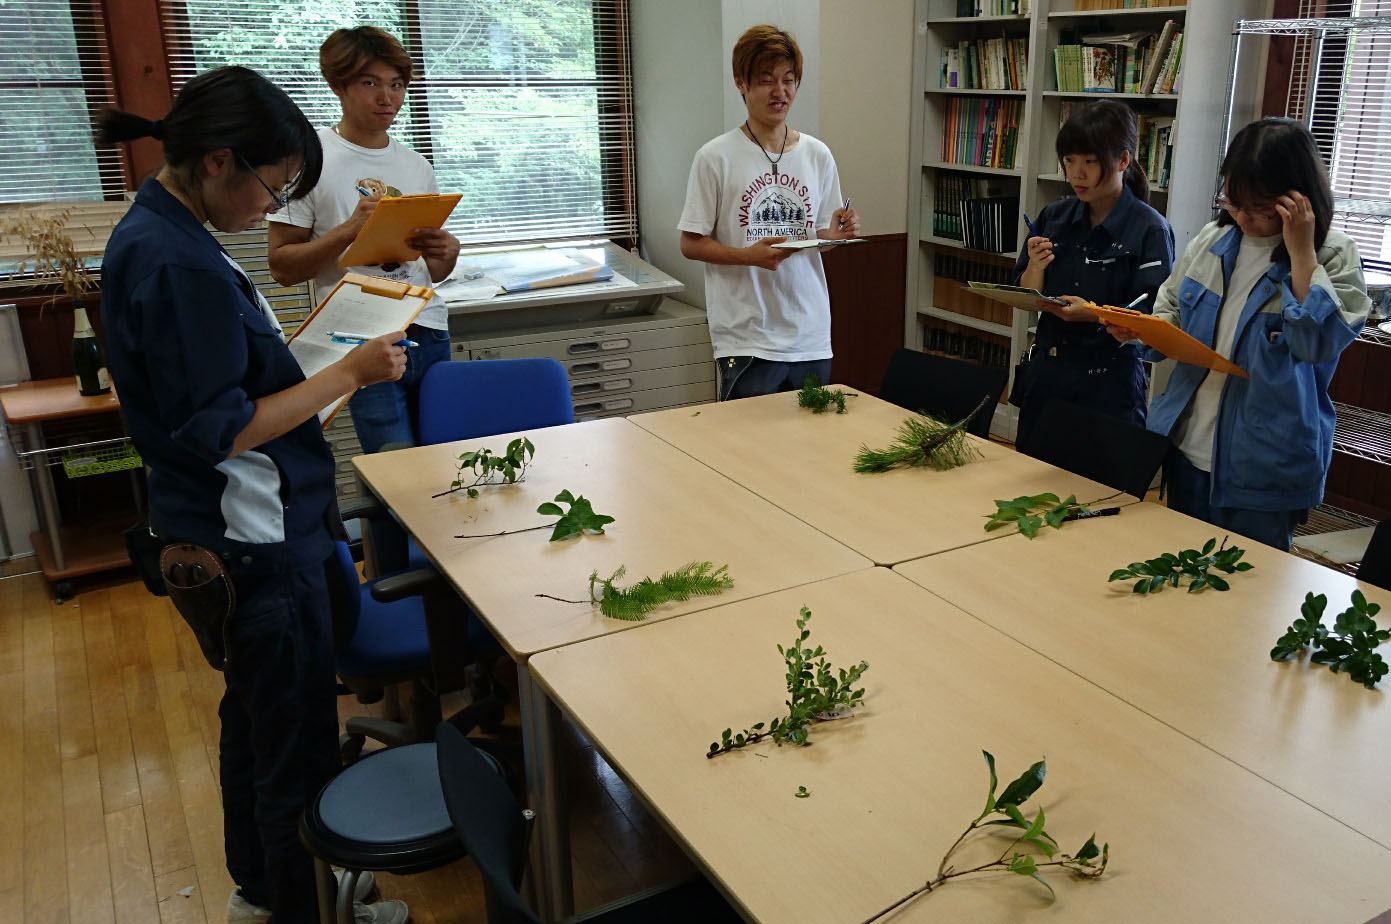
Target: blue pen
364, 191
342, 336
1033, 232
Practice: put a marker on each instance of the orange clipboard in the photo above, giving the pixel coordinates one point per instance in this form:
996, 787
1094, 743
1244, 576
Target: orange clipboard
383, 237
1167, 338
393, 305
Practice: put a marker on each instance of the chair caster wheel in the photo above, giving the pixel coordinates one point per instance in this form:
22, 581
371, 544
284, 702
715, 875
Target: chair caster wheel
350, 747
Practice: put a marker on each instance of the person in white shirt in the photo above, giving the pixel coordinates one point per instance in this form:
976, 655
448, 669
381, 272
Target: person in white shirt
759, 185
368, 71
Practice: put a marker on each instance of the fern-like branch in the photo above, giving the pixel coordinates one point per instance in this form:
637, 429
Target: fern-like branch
924, 440
634, 603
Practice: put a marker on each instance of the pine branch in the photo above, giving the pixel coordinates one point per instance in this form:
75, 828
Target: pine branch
924, 440
634, 603
820, 399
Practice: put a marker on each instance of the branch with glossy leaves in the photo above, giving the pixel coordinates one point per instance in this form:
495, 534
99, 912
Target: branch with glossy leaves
924, 440
1030, 513
576, 521
820, 399
486, 468
1197, 566
1349, 649
1033, 850
816, 692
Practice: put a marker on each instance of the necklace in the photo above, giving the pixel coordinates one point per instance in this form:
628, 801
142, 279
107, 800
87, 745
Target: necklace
761, 150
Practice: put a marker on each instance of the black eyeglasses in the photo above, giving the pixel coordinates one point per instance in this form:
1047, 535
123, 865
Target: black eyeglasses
1220, 201
281, 199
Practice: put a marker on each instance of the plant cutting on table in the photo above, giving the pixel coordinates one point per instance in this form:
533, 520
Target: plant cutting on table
576, 521
820, 399
1350, 648
1197, 566
486, 468
924, 440
1030, 513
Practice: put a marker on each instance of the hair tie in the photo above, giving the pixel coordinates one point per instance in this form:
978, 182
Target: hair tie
157, 129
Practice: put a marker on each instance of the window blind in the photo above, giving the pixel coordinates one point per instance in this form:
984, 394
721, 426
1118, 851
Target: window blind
524, 107
54, 73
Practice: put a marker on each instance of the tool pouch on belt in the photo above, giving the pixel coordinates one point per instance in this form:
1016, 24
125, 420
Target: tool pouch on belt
202, 592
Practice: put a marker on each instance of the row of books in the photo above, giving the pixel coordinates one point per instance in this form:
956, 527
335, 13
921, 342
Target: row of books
954, 296
950, 340
1155, 150
991, 224
949, 191
967, 269
1124, 4
993, 7
1130, 62
987, 64
981, 132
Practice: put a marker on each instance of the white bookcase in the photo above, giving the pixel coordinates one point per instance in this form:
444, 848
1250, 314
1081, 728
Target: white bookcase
1198, 109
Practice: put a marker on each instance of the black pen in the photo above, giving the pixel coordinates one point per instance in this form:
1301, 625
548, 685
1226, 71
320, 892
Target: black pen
1088, 514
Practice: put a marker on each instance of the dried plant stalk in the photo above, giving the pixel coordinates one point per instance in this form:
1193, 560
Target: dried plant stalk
51, 256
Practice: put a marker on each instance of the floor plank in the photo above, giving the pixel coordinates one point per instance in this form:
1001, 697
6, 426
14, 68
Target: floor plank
120, 785
45, 866
84, 832
128, 853
178, 908
12, 612
76, 735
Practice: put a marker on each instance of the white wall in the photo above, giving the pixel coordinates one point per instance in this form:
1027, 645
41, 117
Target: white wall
855, 96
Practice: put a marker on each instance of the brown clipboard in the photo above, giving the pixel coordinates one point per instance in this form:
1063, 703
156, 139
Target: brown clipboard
383, 237
1167, 338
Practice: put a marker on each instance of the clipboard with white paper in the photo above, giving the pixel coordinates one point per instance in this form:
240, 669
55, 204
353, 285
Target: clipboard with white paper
1014, 296
358, 303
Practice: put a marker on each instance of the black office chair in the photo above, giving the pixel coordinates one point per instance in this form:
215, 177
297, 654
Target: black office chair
1097, 446
494, 830
948, 389
1376, 564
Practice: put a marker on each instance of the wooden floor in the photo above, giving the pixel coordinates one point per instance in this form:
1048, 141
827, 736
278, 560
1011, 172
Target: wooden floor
109, 805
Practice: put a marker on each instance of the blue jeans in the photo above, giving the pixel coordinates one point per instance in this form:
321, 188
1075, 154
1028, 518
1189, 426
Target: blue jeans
279, 740
1190, 492
386, 412
747, 376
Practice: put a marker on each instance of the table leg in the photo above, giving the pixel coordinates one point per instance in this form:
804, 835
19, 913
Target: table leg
48, 500
552, 881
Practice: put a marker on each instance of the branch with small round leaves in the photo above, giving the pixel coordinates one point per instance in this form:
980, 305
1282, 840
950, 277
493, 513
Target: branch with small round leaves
816, 691
486, 468
1033, 850
1197, 566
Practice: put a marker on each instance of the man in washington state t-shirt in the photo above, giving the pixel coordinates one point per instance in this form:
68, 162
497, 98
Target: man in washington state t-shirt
760, 184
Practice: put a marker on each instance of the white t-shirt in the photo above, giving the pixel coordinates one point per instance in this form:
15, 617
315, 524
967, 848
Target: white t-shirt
733, 196
1197, 428
394, 170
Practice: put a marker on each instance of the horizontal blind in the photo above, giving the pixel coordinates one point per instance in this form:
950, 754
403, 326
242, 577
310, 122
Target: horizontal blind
54, 73
524, 106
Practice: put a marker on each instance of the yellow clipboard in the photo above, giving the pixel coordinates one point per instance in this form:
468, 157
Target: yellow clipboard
1167, 338
383, 238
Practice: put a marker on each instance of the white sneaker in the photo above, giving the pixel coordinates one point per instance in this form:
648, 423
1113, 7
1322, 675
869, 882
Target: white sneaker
241, 911
382, 912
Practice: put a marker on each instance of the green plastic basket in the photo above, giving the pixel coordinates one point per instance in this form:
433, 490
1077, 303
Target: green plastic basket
79, 464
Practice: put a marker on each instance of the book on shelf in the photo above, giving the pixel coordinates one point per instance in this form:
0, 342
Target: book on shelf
1118, 62
981, 132
950, 190
1159, 59
965, 8
986, 64
1125, 4
990, 223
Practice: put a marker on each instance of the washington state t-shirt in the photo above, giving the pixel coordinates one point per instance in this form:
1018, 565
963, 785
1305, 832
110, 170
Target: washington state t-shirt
394, 170
733, 196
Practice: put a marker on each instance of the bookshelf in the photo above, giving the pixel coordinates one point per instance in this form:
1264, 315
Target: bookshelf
1030, 97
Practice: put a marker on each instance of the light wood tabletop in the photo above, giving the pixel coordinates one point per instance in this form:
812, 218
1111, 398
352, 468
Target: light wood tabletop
1193, 837
802, 461
1200, 662
669, 510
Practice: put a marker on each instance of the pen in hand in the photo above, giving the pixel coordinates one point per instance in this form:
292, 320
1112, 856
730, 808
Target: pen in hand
364, 191
342, 336
845, 208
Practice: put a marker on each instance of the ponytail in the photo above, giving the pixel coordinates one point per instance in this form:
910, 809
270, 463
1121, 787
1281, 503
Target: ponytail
1136, 181
227, 107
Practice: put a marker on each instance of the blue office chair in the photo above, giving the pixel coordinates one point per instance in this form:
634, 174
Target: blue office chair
484, 397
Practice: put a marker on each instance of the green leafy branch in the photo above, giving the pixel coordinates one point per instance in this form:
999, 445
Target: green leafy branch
486, 468
634, 603
580, 518
1030, 513
816, 691
1190, 563
1350, 648
924, 440
819, 399
1090, 861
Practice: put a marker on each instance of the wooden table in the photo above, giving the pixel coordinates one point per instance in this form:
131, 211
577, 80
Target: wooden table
64, 552
1199, 663
1193, 836
669, 510
802, 461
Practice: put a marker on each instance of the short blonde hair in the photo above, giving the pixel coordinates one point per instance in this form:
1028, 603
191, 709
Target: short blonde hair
762, 47
348, 52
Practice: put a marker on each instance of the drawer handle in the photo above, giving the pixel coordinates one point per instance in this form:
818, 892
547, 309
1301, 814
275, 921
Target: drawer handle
592, 407
584, 368
585, 388
589, 346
